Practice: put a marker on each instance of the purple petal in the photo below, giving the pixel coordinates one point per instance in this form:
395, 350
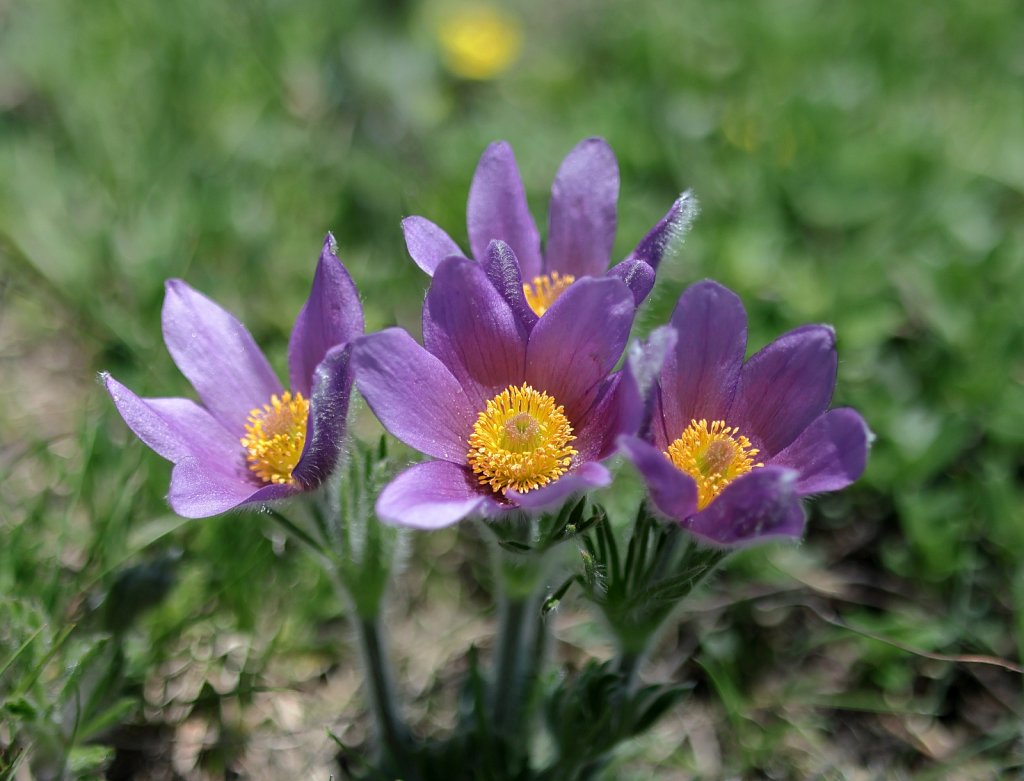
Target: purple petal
581, 222
785, 386
699, 378
199, 490
579, 340
830, 453
328, 413
667, 235
645, 361
502, 267
638, 276
413, 394
673, 491
332, 315
473, 331
761, 505
209, 476
430, 496
647, 356
659, 433
497, 209
617, 409
217, 355
585, 478
174, 428
427, 244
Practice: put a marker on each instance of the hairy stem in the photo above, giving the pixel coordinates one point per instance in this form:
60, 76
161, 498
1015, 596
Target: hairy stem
513, 628
628, 666
393, 733
520, 591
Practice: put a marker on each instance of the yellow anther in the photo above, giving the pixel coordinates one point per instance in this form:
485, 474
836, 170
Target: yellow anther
520, 441
275, 437
713, 455
545, 290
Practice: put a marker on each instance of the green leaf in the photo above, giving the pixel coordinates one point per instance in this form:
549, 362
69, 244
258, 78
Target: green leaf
107, 718
88, 759
514, 546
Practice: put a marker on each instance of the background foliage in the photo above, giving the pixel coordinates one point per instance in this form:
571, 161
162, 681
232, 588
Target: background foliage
859, 164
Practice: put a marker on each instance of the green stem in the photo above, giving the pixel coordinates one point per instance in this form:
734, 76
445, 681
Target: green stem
537, 650
360, 581
393, 732
520, 590
513, 628
628, 666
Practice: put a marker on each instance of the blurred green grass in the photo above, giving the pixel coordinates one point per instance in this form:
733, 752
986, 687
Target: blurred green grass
859, 164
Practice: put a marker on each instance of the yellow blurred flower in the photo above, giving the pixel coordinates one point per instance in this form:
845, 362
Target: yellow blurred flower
479, 41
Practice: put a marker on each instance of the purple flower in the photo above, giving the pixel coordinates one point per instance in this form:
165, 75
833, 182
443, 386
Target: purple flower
516, 418
250, 440
581, 230
733, 446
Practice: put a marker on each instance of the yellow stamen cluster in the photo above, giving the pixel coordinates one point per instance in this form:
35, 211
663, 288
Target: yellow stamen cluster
520, 441
545, 290
713, 455
275, 436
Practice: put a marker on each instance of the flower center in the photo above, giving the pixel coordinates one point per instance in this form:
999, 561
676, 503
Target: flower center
521, 441
713, 455
275, 436
545, 290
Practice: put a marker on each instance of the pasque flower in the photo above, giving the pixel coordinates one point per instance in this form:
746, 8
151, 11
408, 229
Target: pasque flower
733, 446
517, 419
581, 229
250, 440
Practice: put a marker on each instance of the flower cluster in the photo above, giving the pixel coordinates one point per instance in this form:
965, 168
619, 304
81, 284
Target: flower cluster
514, 393
518, 394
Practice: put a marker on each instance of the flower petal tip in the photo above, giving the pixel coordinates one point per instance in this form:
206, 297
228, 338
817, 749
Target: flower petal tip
427, 243
176, 286
499, 147
708, 285
685, 210
667, 235
830, 332
330, 245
